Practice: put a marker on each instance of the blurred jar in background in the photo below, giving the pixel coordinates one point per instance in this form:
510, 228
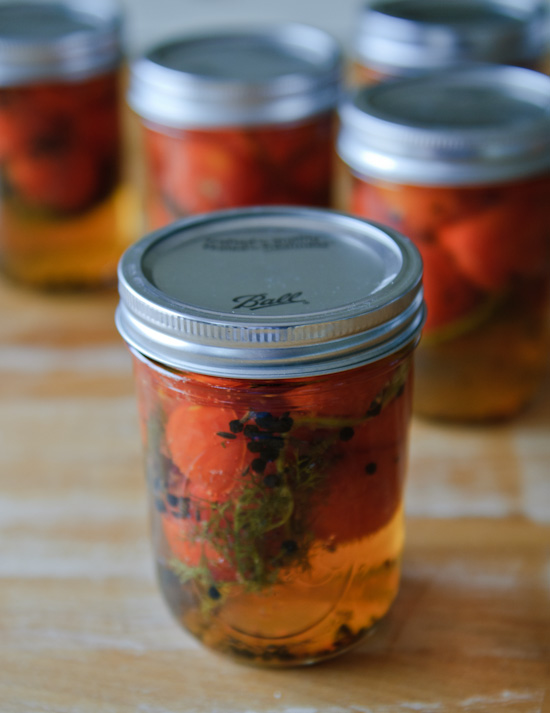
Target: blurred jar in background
459, 161
62, 217
237, 119
401, 38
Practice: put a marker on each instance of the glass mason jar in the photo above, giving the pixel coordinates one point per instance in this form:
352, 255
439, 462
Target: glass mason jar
274, 401
237, 119
459, 161
401, 38
62, 204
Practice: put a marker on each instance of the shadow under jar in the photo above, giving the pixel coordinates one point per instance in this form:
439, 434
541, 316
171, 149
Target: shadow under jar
62, 200
273, 360
459, 161
402, 38
237, 119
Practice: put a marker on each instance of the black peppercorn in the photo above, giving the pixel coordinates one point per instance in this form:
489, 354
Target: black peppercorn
172, 499
346, 433
272, 480
214, 592
375, 408
370, 468
289, 546
258, 465
235, 426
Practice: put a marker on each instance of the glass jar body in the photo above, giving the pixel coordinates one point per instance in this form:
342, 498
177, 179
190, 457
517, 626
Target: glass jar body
191, 171
486, 254
276, 506
64, 217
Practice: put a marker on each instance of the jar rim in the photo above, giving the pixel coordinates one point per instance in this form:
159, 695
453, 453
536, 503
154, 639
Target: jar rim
474, 124
411, 35
281, 73
63, 40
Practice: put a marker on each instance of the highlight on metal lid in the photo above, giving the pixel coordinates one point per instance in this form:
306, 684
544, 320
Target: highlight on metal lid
480, 123
270, 292
282, 73
42, 40
412, 35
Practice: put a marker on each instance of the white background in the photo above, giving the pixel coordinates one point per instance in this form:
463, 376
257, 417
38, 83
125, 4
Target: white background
152, 21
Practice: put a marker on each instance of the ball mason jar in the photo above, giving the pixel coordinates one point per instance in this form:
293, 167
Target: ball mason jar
402, 38
62, 203
237, 119
273, 359
459, 161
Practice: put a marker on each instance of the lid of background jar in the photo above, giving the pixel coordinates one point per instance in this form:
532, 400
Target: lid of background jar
403, 37
42, 40
270, 293
464, 126
278, 74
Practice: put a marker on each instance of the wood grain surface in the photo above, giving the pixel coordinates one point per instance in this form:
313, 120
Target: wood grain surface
82, 624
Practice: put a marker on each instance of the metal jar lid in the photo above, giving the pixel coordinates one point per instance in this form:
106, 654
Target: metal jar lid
271, 292
403, 37
281, 74
70, 39
465, 126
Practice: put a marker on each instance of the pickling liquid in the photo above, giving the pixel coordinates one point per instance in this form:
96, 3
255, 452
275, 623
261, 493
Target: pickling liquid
277, 507
492, 370
81, 251
311, 615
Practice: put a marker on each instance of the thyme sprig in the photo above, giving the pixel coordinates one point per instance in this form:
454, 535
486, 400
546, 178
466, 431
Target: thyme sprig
263, 528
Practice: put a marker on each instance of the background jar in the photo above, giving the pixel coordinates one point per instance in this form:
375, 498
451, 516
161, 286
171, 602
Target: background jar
274, 412
237, 119
459, 161
403, 38
62, 216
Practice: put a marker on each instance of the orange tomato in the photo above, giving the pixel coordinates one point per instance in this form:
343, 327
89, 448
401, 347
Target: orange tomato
202, 172
186, 544
448, 293
310, 176
195, 171
492, 246
343, 394
361, 494
60, 143
13, 134
416, 211
213, 463
65, 181
388, 427
282, 144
